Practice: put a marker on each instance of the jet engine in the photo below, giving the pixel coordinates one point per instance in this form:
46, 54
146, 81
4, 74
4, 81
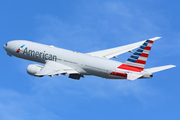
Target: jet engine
33, 69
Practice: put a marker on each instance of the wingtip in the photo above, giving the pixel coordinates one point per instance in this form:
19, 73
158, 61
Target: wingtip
155, 38
172, 66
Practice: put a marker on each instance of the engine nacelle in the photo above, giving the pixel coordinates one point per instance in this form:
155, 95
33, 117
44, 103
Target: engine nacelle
33, 69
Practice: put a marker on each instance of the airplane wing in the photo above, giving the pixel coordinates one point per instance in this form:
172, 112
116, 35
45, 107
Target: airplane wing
52, 68
113, 52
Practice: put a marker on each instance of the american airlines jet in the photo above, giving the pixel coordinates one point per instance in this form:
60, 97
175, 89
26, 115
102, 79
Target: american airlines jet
60, 61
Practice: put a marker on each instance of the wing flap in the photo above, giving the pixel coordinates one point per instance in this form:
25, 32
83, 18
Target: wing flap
51, 68
113, 52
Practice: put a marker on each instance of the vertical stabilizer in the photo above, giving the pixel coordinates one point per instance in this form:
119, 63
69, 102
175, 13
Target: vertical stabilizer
137, 61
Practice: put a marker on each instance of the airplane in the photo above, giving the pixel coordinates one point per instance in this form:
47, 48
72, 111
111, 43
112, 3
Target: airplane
58, 61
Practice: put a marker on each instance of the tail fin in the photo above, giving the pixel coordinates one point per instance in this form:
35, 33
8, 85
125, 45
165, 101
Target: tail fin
137, 61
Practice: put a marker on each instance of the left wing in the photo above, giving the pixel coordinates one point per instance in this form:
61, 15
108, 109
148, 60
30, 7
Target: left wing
109, 53
54, 68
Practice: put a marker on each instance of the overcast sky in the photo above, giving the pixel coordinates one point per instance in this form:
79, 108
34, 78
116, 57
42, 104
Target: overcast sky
87, 26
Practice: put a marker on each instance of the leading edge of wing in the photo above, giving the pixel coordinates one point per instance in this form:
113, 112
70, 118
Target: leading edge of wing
52, 68
109, 53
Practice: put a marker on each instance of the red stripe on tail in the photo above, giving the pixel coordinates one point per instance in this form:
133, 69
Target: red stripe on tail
144, 55
131, 68
147, 48
151, 41
141, 62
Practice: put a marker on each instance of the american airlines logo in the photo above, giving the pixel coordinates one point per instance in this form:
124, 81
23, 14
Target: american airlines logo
38, 54
20, 48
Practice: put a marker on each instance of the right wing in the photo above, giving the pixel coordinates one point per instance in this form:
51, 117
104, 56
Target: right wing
113, 52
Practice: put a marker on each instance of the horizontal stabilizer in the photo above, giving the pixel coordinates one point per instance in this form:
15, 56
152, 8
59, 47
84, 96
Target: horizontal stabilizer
133, 76
157, 69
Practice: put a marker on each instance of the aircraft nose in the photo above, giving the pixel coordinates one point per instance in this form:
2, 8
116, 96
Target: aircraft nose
8, 49
5, 46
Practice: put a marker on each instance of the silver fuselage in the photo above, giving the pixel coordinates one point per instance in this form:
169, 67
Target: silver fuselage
83, 63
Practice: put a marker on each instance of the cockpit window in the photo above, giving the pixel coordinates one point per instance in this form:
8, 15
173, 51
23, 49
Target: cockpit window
6, 44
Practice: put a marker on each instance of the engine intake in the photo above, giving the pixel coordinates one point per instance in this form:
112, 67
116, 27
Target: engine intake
33, 69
